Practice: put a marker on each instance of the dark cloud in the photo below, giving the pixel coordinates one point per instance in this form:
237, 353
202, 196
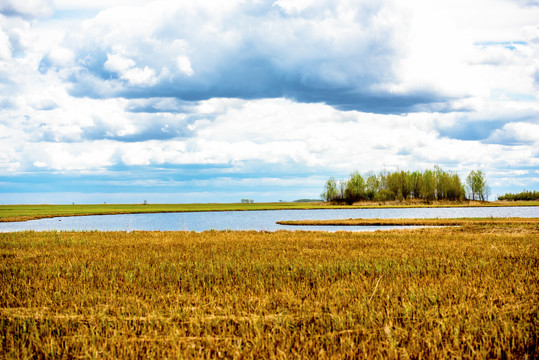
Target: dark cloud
252, 80
159, 105
472, 130
491, 130
258, 51
154, 129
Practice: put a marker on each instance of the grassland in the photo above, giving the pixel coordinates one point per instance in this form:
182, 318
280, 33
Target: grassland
459, 292
30, 212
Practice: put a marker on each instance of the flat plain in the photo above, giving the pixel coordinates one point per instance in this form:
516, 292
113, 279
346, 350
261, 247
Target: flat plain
462, 292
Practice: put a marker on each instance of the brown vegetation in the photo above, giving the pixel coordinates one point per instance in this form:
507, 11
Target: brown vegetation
416, 222
463, 292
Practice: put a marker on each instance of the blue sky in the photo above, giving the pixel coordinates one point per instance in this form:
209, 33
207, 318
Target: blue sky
214, 101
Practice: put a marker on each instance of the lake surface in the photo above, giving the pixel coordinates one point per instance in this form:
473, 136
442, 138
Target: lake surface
255, 220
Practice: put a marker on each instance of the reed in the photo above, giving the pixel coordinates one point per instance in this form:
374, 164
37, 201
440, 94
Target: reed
416, 222
467, 292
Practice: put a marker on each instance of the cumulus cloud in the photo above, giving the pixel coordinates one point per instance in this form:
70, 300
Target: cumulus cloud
14, 36
339, 54
517, 133
248, 133
287, 89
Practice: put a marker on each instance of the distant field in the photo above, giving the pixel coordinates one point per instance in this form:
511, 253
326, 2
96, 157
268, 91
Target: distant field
458, 292
30, 212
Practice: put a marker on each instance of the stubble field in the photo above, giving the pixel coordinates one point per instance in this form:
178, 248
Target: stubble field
465, 292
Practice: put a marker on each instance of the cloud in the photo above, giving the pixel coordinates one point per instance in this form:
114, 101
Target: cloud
160, 105
14, 37
527, 2
126, 69
472, 130
5, 46
341, 55
517, 133
152, 128
352, 56
26, 8
228, 91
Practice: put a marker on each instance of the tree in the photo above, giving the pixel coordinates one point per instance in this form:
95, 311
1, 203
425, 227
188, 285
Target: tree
524, 195
416, 183
477, 185
442, 182
387, 190
428, 189
372, 187
456, 192
330, 190
406, 188
341, 186
392, 186
355, 188
429, 185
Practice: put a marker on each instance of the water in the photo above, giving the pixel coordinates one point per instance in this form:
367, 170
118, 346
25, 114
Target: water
255, 220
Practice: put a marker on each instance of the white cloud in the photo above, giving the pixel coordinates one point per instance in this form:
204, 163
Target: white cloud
140, 77
118, 63
5, 46
184, 64
126, 70
26, 8
263, 86
293, 6
517, 132
64, 5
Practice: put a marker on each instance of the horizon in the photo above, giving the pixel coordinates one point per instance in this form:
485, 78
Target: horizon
181, 102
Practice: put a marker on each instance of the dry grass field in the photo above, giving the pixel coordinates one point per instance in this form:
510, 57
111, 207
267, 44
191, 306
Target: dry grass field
417, 222
458, 292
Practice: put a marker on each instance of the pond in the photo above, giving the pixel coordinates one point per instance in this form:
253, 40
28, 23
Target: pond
255, 220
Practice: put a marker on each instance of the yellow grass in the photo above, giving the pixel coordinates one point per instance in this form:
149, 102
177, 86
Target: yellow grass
415, 222
458, 292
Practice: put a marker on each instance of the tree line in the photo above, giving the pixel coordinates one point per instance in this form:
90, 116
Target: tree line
428, 185
524, 195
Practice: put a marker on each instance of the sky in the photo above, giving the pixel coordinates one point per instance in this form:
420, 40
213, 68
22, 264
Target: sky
175, 101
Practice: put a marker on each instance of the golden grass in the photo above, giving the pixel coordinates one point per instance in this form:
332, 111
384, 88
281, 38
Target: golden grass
415, 222
466, 292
